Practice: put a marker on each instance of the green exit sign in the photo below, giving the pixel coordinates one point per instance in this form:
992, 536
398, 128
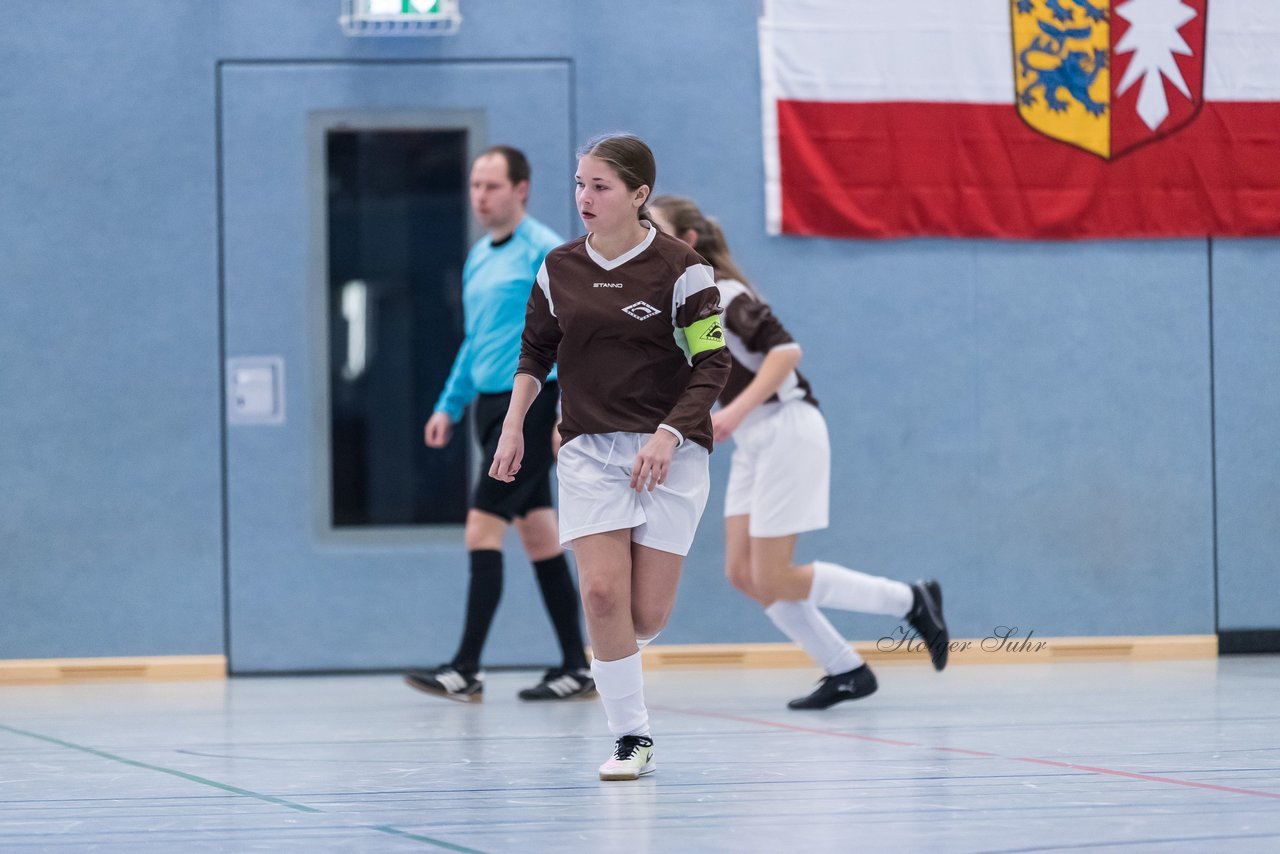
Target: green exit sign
400, 17
402, 7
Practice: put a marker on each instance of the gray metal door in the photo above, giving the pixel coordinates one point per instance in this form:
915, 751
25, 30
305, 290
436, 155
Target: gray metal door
302, 593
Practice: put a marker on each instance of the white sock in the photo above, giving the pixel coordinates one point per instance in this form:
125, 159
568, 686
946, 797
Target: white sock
849, 590
810, 630
643, 642
621, 687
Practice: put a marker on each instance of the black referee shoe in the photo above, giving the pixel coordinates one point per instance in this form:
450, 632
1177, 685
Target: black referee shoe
926, 618
448, 681
856, 683
561, 684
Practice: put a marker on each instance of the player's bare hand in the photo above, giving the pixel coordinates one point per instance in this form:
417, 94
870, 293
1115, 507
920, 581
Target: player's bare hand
653, 462
724, 422
555, 441
506, 460
438, 431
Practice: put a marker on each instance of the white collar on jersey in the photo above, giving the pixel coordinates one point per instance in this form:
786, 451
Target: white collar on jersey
625, 256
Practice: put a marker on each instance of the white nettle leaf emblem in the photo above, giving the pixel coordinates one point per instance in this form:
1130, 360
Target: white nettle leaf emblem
1153, 39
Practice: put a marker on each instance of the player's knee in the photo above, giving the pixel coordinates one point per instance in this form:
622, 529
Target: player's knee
600, 599
739, 574
649, 623
483, 533
481, 541
539, 534
540, 545
768, 582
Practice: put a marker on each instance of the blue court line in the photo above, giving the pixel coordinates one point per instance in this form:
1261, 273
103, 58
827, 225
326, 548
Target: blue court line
415, 837
235, 790
1130, 842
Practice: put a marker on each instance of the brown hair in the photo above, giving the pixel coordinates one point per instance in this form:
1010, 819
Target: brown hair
630, 158
517, 164
684, 215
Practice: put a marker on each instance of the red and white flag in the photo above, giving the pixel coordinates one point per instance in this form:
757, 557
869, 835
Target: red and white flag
1022, 118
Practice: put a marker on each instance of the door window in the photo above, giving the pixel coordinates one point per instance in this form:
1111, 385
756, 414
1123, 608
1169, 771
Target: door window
397, 240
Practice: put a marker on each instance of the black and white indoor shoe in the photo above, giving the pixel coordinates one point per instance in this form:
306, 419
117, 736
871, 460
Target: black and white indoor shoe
856, 683
632, 757
561, 684
926, 618
447, 681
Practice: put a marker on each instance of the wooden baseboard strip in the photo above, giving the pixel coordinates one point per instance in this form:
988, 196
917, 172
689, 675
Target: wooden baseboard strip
974, 651
149, 668
996, 650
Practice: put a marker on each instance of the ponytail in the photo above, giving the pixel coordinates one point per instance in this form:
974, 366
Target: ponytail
710, 241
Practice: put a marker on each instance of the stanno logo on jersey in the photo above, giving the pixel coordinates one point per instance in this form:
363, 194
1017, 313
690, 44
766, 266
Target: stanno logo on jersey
1109, 76
641, 310
607, 285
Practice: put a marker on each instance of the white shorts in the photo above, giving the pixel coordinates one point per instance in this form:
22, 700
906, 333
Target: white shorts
780, 474
594, 474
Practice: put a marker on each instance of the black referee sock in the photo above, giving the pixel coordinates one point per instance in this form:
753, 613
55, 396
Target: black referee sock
482, 603
561, 599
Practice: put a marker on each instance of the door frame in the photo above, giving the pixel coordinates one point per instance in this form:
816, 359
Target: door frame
298, 596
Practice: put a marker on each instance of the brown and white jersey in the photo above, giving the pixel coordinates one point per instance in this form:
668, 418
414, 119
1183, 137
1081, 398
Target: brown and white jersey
751, 331
636, 340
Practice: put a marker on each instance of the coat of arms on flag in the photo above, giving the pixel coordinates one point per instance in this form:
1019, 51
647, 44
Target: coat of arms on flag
1108, 77
1058, 119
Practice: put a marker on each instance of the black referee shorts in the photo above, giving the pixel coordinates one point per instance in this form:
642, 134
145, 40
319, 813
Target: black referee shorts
531, 489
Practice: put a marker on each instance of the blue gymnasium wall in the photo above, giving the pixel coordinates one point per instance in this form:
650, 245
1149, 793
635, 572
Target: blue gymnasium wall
1033, 423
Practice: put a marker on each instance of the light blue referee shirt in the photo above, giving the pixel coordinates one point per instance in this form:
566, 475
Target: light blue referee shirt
496, 282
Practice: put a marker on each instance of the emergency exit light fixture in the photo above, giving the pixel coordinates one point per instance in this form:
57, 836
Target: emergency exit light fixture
400, 17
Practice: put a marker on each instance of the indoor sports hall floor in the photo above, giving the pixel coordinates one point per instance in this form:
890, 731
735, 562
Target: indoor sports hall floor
1176, 756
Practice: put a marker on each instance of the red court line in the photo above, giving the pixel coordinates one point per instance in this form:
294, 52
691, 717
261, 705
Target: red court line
1151, 777
1089, 768
728, 717
962, 750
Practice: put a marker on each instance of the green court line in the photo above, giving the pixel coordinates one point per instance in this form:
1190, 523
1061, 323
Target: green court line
235, 790
170, 771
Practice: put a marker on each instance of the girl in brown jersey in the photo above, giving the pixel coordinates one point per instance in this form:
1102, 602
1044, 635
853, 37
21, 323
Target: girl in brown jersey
630, 318
779, 482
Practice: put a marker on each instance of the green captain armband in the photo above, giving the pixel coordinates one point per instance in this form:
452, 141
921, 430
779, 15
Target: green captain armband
704, 335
